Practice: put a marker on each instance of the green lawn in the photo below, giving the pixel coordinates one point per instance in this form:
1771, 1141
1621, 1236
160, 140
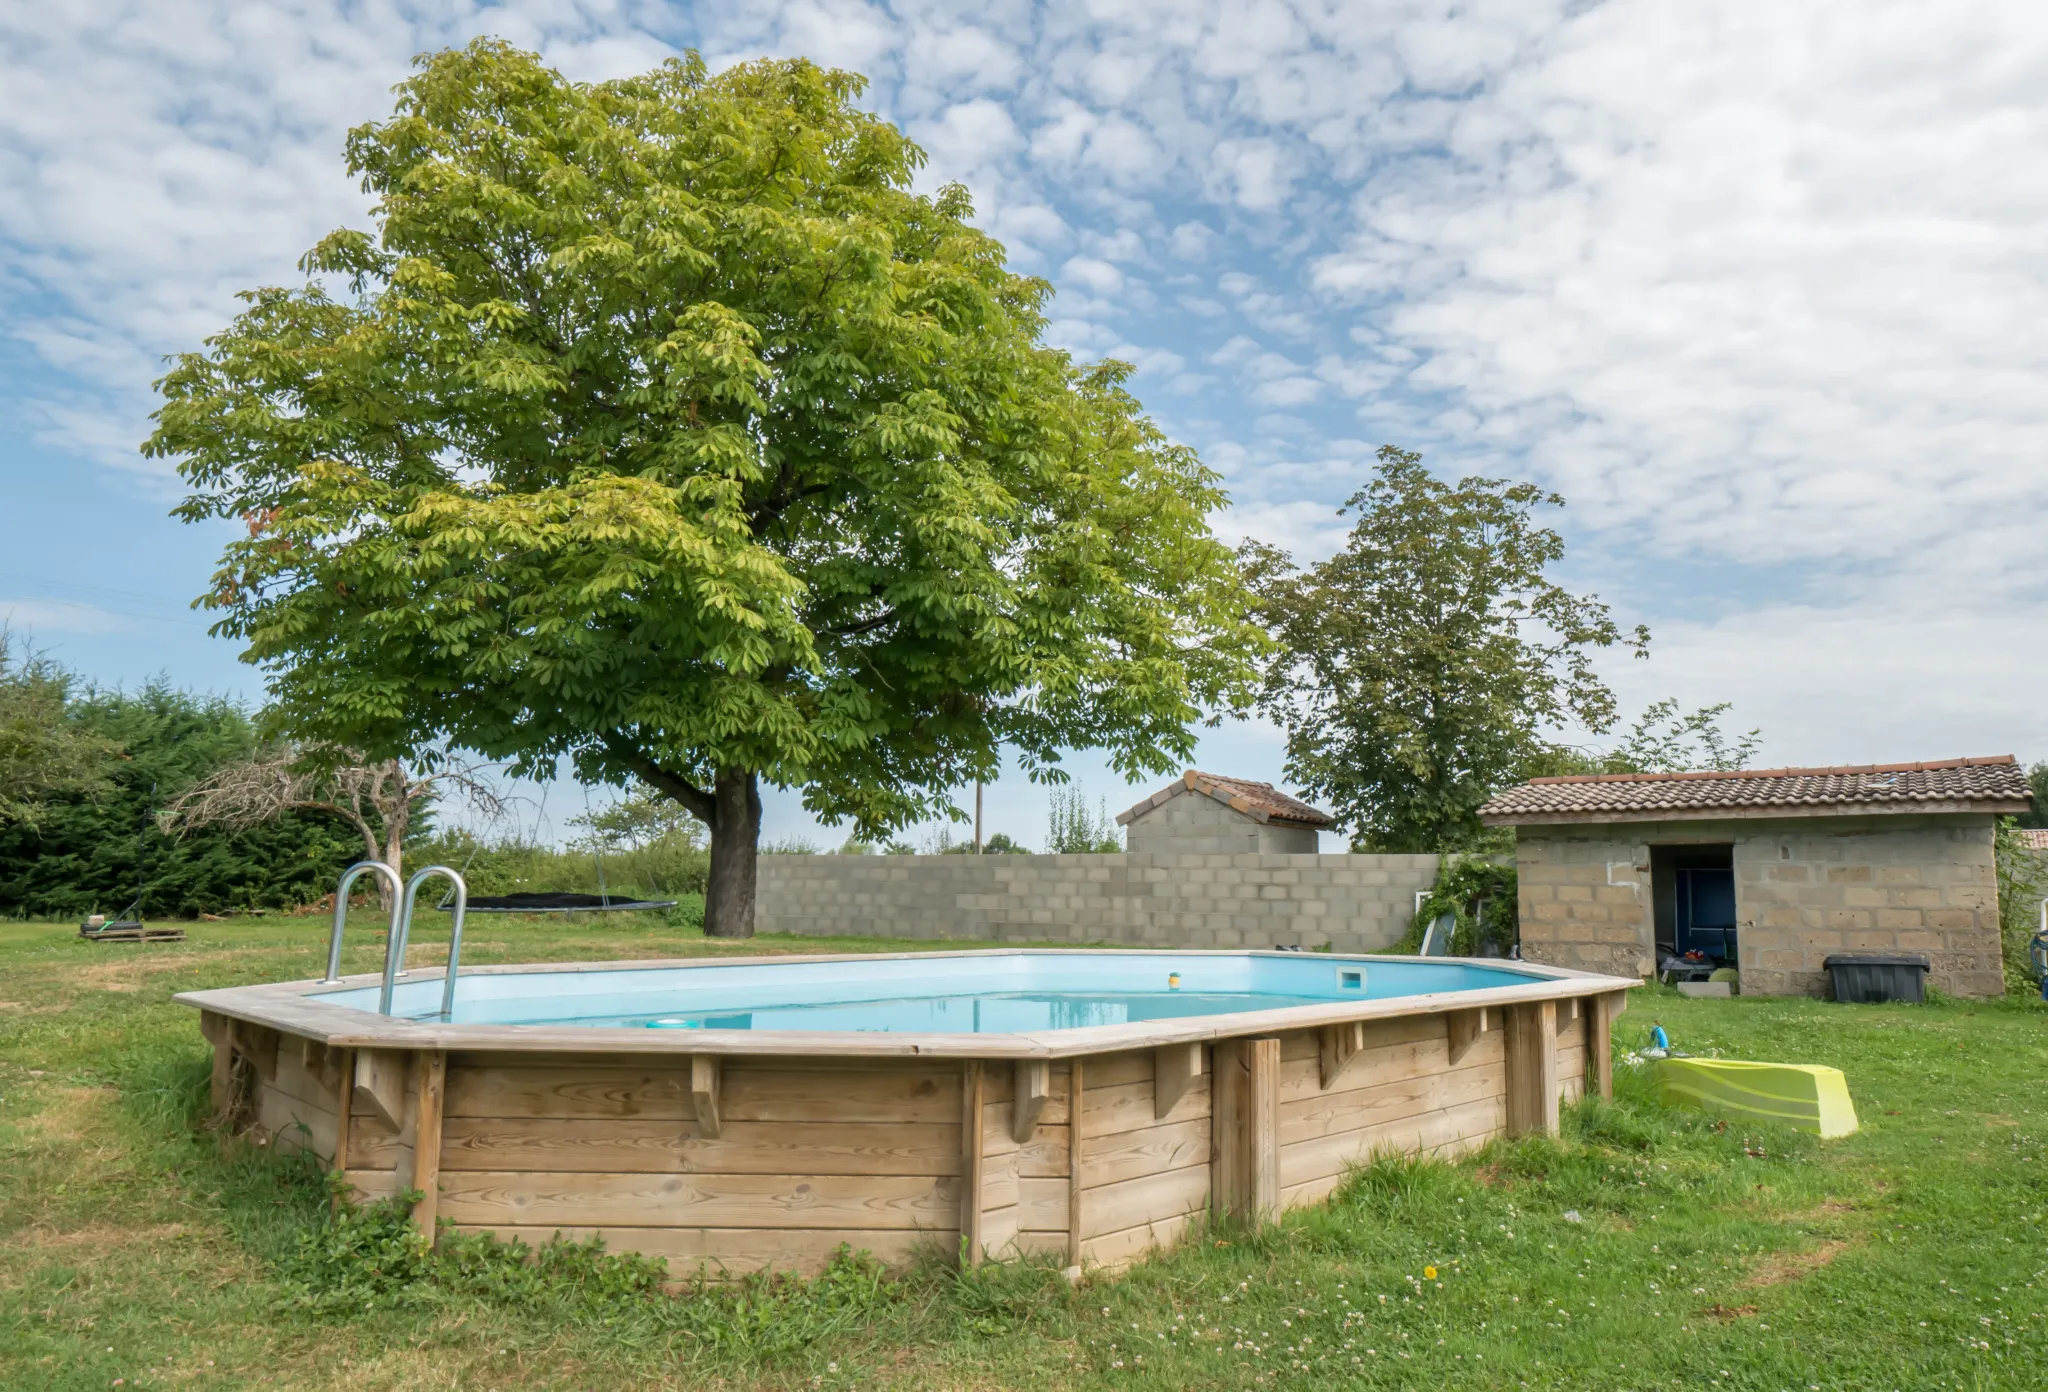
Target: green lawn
1648, 1250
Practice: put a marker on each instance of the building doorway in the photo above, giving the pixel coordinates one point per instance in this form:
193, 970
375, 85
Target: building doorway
1694, 888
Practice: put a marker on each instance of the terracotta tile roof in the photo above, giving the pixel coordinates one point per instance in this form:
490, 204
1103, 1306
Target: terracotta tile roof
2034, 838
1262, 802
1995, 784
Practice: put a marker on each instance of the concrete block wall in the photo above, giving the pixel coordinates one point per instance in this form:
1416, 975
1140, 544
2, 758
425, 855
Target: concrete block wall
1195, 824
1584, 898
1356, 903
1805, 888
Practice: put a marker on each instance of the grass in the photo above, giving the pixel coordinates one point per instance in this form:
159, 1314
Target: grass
1646, 1249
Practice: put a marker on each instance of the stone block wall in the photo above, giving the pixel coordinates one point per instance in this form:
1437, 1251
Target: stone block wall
1805, 888
1195, 824
1356, 903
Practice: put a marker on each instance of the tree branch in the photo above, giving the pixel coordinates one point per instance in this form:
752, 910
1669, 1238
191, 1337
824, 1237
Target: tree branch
887, 616
702, 805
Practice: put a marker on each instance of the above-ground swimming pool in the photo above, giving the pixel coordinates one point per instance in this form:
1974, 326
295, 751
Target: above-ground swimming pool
739, 1114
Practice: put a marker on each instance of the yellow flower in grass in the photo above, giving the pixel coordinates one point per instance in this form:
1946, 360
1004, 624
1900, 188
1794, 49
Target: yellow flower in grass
1429, 1273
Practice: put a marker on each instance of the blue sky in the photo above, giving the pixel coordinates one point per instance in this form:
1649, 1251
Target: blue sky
1762, 289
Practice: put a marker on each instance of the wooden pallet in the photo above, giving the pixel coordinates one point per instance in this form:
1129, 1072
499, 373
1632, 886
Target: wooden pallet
139, 932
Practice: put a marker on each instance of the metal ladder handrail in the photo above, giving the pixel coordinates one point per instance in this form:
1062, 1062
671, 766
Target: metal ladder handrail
394, 953
349, 877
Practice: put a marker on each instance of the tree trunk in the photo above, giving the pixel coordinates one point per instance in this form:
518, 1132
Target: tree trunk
394, 854
735, 847
394, 809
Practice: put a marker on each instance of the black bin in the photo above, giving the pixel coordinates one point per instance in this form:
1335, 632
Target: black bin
1861, 978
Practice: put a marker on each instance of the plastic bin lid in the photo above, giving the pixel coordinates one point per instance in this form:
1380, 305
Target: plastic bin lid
1877, 959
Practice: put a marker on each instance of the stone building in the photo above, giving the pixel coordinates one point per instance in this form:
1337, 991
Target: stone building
1203, 814
1771, 870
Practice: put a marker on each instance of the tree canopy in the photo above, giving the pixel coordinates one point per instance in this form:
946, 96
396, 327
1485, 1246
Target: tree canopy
662, 426
1432, 659
94, 849
44, 752
1663, 739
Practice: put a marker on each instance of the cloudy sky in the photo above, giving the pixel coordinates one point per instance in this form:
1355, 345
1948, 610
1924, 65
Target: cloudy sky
1761, 288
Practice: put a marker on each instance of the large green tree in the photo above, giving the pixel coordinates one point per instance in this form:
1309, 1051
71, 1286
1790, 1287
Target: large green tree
664, 427
1432, 659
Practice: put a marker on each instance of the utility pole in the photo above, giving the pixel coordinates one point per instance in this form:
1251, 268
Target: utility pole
977, 816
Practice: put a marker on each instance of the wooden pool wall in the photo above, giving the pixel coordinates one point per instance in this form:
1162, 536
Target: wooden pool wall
731, 1163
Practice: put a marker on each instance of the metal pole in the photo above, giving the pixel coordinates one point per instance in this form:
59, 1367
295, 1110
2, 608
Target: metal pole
349, 877
977, 816
394, 956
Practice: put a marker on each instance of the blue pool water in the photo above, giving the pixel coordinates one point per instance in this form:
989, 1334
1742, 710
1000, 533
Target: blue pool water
1001, 993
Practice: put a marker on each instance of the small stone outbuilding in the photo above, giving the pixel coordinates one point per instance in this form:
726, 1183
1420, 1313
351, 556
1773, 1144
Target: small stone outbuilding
1204, 814
1771, 870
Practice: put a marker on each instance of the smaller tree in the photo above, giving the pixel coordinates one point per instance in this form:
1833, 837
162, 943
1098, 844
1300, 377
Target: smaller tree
642, 818
1073, 829
2037, 784
44, 752
377, 798
1661, 741
1427, 662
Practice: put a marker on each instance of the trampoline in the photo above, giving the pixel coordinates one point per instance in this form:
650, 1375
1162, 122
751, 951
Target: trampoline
557, 901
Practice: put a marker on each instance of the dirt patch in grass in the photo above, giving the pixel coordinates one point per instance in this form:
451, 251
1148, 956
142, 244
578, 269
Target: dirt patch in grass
1724, 1313
1782, 1267
96, 1239
71, 1114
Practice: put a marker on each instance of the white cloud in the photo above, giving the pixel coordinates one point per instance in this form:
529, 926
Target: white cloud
1093, 274
1191, 241
35, 616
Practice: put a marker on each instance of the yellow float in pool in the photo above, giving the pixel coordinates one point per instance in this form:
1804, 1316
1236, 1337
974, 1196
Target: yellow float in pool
1809, 1096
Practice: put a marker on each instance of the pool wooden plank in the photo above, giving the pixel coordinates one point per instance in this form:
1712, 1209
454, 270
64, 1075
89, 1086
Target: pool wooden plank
1115, 1250
1314, 1169
1125, 1155
1144, 1199
293, 1124
640, 1145
1045, 1154
751, 1091
717, 1252
1042, 1206
1310, 1118
483, 1198
1107, 1110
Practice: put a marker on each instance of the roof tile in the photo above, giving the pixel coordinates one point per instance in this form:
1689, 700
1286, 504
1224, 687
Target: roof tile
1992, 783
1259, 801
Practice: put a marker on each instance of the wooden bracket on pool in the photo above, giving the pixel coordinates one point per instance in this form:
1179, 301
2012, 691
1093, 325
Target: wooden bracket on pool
704, 1093
380, 1085
1174, 1070
1336, 1047
1567, 1013
1032, 1087
1466, 1028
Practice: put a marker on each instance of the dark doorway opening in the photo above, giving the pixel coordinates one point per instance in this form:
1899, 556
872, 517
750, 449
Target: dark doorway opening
1694, 888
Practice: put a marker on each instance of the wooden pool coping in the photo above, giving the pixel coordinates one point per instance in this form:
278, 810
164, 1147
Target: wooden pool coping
284, 1006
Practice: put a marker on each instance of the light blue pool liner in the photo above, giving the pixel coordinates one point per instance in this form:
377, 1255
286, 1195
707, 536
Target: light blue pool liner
996, 993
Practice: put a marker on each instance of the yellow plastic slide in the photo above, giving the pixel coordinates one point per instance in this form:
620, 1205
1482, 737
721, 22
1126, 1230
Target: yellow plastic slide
1809, 1096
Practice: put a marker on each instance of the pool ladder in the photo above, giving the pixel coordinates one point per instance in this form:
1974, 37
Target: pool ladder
403, 900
